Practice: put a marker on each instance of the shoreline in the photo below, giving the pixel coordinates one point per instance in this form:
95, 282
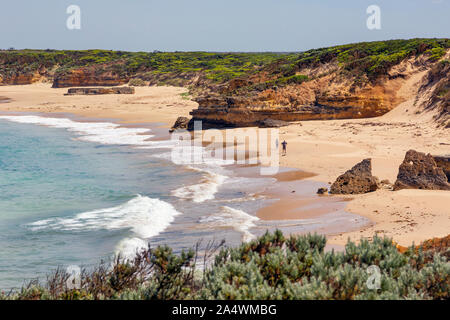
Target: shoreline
281, 191
149, 104
328, 148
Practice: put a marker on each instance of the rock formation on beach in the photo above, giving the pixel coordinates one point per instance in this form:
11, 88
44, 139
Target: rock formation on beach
182, 123
271, 123
322, 191
95, 91
357, 180
420, 171
444, 163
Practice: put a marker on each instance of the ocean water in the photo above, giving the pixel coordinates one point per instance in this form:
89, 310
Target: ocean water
74, 193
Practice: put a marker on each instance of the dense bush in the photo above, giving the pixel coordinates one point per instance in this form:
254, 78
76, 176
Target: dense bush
370, 58
217, 67
270, 267
367, 58
136, 82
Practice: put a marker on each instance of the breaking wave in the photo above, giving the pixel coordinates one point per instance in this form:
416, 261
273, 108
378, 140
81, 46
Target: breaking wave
145, 217
232, 218
99, 132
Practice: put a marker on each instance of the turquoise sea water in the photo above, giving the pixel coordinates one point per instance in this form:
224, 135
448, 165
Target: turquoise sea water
46, 173
73, 193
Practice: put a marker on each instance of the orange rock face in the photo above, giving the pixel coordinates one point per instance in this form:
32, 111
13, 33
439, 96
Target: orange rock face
324, 98
87, 77
242, 111
327, 92
20, 79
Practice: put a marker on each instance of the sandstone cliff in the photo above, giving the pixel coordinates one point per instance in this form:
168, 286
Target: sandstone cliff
245, 89
21, 79
88, 77
330, 92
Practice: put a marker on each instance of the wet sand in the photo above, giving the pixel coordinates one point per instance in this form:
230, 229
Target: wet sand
293, 195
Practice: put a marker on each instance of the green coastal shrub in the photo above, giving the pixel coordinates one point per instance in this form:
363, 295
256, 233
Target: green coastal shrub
270, 267
436, 53
369, 59
136, 82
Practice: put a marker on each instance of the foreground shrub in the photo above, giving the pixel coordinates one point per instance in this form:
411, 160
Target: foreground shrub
270, 267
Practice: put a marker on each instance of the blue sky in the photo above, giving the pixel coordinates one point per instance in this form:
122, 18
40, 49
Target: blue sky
213, 25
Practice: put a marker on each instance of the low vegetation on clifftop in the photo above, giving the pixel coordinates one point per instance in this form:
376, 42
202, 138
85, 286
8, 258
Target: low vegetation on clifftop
270, 267
242, 89
217, 67
369, 58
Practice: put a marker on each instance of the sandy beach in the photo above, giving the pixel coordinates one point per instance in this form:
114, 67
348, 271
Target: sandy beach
324, 148
148, 104
329, 148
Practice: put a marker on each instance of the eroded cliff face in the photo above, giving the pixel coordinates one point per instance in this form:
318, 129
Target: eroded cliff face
235, 111
332, 93
22, 79
88, 77
348, 81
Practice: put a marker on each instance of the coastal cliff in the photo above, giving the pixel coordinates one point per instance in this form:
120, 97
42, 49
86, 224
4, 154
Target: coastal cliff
351, 81
329, 88
87, 77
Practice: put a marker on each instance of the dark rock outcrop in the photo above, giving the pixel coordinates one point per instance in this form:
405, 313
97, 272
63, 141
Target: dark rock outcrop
271, 123
95, 91
322, 191
420, 171
357, 180
386, 184
444, 163
182, 123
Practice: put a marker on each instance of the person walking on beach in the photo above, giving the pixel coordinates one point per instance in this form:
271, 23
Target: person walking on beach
284, 144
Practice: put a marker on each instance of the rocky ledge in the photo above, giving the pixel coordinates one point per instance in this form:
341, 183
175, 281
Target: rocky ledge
182, 123
444, 163
85, 77
420, 171
95, 91
222, 111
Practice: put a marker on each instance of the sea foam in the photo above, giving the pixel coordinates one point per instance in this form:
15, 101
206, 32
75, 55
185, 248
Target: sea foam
144, 216
205, 190
232, 218
99, 132
182, 152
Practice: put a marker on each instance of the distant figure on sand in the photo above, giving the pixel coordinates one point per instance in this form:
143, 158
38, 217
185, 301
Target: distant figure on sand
284, 144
